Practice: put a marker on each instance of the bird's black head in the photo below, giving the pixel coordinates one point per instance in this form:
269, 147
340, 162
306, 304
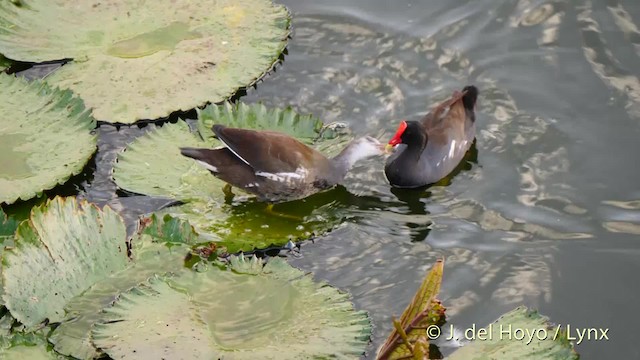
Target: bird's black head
410, 133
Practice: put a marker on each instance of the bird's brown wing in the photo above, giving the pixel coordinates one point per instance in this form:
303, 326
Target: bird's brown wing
268, 151
434, 117
447, 120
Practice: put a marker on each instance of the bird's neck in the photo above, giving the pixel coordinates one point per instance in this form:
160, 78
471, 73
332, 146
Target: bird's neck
349, 156
414, 150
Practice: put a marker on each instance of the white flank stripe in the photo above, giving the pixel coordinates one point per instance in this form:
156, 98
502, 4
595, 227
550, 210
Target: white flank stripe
300, 173
207, 166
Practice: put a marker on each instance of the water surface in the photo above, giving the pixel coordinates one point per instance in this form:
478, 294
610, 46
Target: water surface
549, 215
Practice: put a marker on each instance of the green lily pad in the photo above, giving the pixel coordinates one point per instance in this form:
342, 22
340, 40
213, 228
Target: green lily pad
66, 245
520, 345
152, 165
305, 128
158, 249
136, 62
252, 313
78, 253
18, 345
45, 137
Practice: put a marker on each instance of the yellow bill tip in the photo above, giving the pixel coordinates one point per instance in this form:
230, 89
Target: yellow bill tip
388, 148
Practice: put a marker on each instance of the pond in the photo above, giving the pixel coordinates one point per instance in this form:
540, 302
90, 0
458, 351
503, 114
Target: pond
548, 217
545, 212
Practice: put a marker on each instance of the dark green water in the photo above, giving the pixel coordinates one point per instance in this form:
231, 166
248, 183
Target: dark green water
549, 214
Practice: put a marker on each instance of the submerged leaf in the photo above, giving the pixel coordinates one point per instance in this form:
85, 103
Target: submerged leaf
278, 312
45, 137
4, 63
17, 345
418, 315
165, 229
8, 227
136, 62
153, 165
520, 344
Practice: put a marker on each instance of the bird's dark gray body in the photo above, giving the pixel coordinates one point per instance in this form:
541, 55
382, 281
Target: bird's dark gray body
432, 148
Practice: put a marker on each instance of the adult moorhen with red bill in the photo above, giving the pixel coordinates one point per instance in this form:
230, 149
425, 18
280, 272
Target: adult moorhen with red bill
430, 149
276, 167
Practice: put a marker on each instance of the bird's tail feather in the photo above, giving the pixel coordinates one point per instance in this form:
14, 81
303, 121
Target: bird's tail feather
470, 97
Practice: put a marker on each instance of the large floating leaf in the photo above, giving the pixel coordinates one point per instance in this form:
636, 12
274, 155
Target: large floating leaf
152, 165
250, 313
409, 338
78, 254
305, 128
157, 250
143, 61
499, 345
45, 137
67, 246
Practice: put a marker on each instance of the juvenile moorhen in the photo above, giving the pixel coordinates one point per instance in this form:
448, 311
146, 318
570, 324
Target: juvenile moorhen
276, 167
428, 150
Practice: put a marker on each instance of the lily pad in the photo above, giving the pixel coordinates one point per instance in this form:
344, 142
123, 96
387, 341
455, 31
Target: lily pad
305, 128
78, 253
252, 313
549, 342
158, 249
45, 137
152, 165
136, 62
66, 245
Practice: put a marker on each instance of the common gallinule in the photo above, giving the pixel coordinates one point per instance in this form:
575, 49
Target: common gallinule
428, 150
276, 167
